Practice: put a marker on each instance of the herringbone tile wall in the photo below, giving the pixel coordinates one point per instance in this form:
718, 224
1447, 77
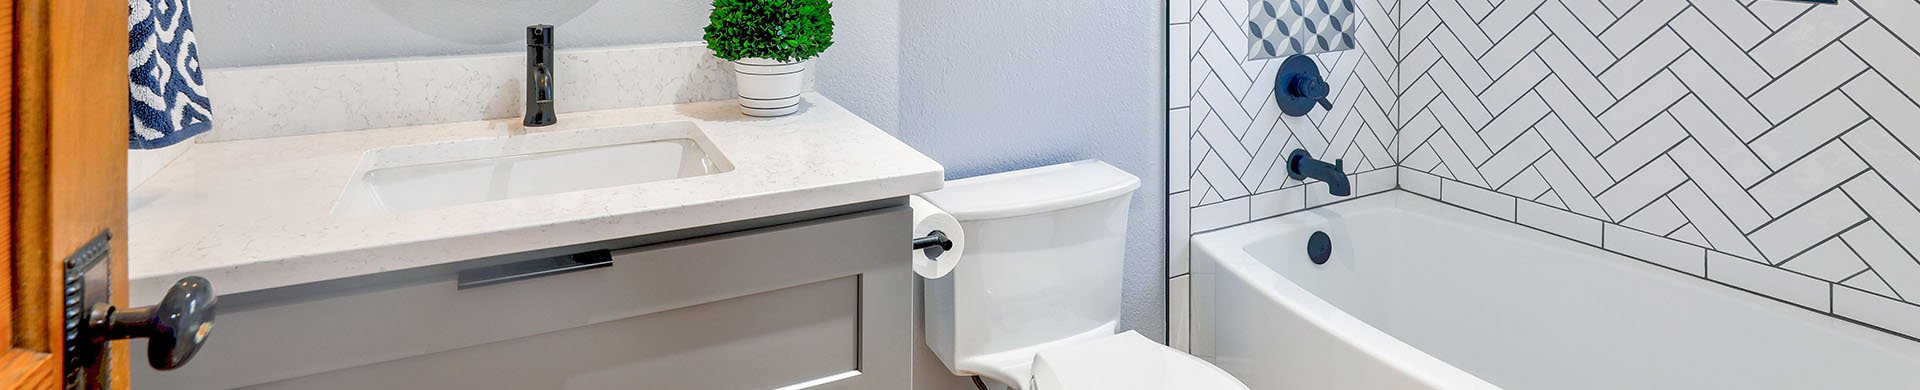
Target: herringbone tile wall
1764, 144
1227, 135
1775, 134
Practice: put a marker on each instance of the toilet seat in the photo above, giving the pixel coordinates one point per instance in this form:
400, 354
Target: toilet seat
1125, 361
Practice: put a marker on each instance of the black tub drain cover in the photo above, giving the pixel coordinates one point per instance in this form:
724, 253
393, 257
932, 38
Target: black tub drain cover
1319, 247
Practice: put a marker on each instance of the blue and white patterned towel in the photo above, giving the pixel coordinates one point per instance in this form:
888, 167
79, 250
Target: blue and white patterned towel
169, 99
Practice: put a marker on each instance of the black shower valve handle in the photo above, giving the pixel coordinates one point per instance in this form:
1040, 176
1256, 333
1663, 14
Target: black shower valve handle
1299, 87
1311, 86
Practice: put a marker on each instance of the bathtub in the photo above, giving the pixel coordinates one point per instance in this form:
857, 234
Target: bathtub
1420, 294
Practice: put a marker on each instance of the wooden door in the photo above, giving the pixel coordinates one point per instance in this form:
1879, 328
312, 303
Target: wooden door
67, 162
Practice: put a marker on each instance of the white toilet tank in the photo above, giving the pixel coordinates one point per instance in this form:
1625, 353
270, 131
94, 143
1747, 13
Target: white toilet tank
1044, 251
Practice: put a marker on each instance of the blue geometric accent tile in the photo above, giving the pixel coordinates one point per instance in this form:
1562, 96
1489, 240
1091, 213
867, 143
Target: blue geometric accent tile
1280, 28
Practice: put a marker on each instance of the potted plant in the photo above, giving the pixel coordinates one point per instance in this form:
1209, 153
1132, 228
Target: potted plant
769, 42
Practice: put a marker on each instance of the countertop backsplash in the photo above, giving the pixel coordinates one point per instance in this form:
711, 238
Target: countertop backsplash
284, 100
312, 98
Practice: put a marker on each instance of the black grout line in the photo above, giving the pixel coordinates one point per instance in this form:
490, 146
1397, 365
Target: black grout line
1636, 170
1729, 175
1863, 159
1883, 229
1724, 215
1856, 274
1803, 61
1800, 158
1810, 200
1803, 110
1823, 241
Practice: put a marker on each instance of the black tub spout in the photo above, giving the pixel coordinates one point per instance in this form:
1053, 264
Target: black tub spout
1302, 166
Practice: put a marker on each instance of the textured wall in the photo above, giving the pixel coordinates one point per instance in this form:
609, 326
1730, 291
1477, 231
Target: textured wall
862, 69
1767, 145
1778, 136
270, 32
1228, 136
989, 86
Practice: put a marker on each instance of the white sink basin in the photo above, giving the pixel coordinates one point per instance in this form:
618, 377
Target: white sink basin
428, 176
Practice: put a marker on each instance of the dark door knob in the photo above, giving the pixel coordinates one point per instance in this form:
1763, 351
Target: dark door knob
177, 326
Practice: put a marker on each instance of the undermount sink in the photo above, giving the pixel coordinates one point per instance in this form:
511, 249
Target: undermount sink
428, 176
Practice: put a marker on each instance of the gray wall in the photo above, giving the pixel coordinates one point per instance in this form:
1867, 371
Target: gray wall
272, 32
862, 69
989, 86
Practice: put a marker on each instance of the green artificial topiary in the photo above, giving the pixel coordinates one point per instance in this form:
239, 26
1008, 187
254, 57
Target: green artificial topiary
780, 30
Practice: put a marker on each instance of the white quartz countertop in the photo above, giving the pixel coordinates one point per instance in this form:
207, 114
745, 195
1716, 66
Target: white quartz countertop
257, 214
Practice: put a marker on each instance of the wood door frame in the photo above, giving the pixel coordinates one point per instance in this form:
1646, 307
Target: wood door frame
67, 164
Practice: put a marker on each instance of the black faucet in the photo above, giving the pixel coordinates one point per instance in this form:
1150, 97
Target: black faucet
1301, 166
540, 77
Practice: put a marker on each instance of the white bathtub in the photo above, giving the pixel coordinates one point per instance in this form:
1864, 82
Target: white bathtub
1419, 294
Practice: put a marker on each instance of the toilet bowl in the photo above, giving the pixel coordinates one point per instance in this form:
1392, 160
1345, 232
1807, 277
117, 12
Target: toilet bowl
1036, 303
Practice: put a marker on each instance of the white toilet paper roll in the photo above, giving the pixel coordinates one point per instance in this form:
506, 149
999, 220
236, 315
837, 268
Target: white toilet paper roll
926, 219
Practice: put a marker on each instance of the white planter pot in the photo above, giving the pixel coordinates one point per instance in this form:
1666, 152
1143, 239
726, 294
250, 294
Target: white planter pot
767, 87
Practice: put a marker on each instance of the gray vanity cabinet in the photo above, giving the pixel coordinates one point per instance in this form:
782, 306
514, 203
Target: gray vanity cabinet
762, 308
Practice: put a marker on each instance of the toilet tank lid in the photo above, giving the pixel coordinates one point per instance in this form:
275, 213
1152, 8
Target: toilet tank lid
1033, 190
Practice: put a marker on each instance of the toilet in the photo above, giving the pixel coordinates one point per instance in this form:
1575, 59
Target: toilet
1036, 301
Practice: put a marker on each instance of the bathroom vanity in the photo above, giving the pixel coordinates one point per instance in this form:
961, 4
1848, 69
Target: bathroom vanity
776, 257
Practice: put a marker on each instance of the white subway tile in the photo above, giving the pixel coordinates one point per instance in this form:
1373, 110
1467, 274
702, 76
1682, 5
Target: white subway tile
1178, 234
1478, 199
1658, 250
1808, 225
1177, 150
1886, 257
1179, 55
1806, 179
1419, 182
1278, 202
1767, 280
1179, 317
1318, 193
1877, 310
1375, 181
1641, 188
1832, 261
1561, 222
1659, 217
1871, 282
1221, 214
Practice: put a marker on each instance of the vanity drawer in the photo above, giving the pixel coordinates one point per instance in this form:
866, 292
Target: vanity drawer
761, 341
760, 308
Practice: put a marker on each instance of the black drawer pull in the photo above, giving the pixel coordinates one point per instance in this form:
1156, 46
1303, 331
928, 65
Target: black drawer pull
486, 276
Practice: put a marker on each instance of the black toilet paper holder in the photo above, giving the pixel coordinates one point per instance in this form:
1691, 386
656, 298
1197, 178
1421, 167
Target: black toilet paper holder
934, 243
